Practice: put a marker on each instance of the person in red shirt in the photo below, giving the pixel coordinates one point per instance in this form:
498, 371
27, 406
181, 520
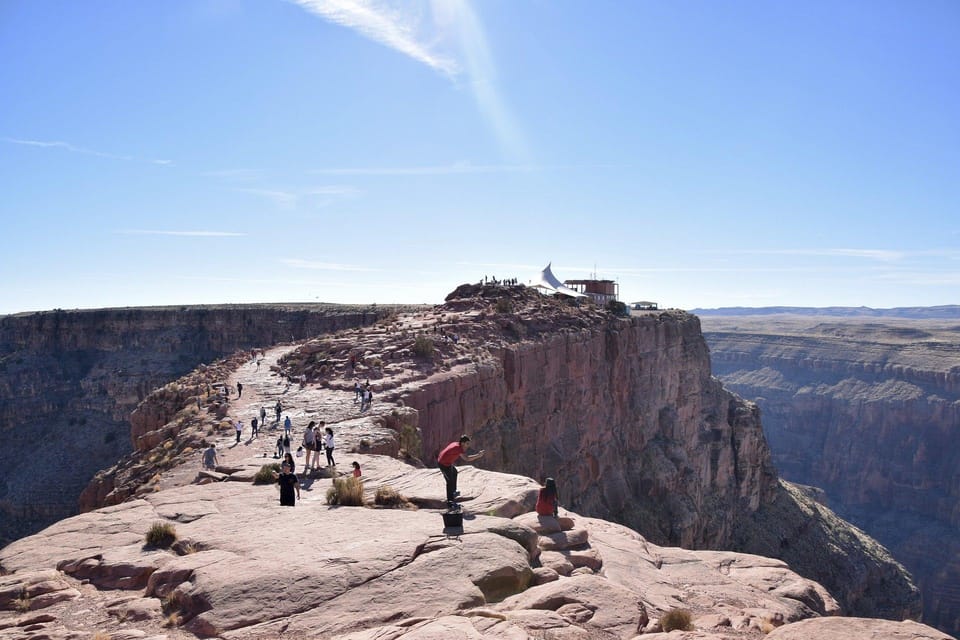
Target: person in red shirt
447, 461
547, 500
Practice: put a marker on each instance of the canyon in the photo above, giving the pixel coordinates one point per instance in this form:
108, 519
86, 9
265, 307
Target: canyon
69, 381
864, 405
623, 411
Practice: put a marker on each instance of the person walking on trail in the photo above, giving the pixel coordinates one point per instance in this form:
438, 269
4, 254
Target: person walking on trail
329, 444
286, 444
289, 483
263, 415
357, 391
239, 428
548, 500
239, 390
287, 426
210, 460
309, 443
447, 461
277, 409
255, 427
279, 452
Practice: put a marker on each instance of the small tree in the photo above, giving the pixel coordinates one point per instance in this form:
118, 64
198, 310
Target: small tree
680, 619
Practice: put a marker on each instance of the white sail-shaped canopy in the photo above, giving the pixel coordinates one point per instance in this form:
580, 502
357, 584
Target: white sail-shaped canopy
550, 282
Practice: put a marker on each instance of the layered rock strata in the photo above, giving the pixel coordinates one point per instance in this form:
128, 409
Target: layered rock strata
869, 411
70, 379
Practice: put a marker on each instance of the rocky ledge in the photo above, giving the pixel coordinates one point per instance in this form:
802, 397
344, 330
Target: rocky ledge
244, 567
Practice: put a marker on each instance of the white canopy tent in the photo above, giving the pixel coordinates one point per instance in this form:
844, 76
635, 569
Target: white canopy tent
550, 284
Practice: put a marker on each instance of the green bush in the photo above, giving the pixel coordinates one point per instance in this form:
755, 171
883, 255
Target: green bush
346, 492
161, 535
676, 619
423, 346
265, 474
504, 305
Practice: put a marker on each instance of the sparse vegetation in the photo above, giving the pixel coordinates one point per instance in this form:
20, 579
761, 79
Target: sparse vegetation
346, 492
504, 305
364, 443
387, 496
101, 635
22, 602
409, 440
161, 535
680, 619
423, 346
266, 474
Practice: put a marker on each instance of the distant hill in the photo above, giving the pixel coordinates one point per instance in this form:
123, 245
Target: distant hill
949, 311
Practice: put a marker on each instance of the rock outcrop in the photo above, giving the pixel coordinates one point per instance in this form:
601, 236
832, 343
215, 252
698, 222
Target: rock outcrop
70, 379
244, 567
869, 411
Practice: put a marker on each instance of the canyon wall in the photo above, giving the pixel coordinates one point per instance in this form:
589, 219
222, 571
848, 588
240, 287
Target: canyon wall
625, 414
69, 381
869, 411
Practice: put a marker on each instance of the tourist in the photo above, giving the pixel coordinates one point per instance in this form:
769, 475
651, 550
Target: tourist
329, 444
289, 483
356, 469
210, 460
357, 391
288, 459
254, 427
239, 428
239, 390
310, 444
279, 452
287, 425
548, 500
263, 415
286, 444
447, 460
277, 409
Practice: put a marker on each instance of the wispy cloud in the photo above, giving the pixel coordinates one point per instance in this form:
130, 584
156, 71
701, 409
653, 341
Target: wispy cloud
447, 36
66, 146
870, 254
199, 234
395, 27
320, 196
283, 199
455, 168
323, 266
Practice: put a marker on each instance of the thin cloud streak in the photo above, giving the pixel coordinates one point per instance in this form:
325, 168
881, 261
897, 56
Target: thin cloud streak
192, 234
457, 168
871, 254
57, 144
297, 263
380, 24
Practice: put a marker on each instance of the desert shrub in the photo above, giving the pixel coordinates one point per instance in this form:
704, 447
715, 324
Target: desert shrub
423, 346
265, 474
364, 443
676, 619
504, 305
161, 535
410, 442
618, 308
387, 496
346, 492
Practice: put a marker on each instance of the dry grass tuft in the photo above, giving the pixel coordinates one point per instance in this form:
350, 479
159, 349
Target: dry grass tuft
346, 492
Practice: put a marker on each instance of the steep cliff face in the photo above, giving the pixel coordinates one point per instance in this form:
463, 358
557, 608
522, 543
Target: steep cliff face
70, 379
625, 414
870, 412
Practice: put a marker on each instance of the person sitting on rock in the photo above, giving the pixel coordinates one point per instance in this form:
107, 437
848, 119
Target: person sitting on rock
548, 500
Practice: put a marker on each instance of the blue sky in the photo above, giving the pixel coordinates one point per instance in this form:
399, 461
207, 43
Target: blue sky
702, 154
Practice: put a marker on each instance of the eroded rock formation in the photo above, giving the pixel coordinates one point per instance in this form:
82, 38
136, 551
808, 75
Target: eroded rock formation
70, 379
869, 411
